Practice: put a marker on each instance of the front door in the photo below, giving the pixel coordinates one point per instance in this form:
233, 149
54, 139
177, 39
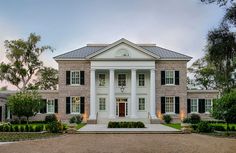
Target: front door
121, 109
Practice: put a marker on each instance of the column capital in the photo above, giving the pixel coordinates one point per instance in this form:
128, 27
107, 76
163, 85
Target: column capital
92, 69
153, 69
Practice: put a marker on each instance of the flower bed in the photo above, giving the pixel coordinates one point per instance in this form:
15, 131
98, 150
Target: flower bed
126, 125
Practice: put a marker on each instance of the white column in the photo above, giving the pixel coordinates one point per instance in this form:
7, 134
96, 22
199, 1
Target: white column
133, 94
112, 103
92, 115
152, 94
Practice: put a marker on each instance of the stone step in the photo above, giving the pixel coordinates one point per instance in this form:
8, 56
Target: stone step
156, 121
106, 120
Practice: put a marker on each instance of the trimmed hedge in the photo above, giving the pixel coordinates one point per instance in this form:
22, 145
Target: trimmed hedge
21, 128
126, 125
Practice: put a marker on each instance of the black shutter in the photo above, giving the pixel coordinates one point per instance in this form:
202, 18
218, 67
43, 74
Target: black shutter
188, 106
43, 108
163, 111
56, 106
5, 111
176, 77
163, 77
67, 105
67, 77
82, 105
81, 77
177, 105
201, 105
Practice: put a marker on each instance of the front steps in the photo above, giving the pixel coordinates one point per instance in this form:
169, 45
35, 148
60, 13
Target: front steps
156, 121
121, 119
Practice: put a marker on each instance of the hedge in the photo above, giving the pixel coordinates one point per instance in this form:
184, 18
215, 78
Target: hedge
126, 125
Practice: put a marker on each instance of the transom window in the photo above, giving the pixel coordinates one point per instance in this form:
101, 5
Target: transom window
75, 77
102, 80
102, 104
75, 104
121, 79
169, 77
50, 106
141, 80
169, 104
208, 105
194, 105
141, 104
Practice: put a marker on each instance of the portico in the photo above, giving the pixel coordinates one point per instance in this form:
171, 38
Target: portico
138, 81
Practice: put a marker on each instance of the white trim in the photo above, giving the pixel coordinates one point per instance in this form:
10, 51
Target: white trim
173, 78
75, 84
53, 100
145, 81
191, 106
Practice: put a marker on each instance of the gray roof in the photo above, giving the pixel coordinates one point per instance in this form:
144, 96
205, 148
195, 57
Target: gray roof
83, 52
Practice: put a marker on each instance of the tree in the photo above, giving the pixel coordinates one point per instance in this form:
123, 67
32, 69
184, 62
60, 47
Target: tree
225, 108
26, 103
218, 2
4, 88
203, 74
24, 62
221, 53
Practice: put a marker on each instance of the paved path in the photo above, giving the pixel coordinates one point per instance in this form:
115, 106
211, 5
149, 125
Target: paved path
125, 143
100, 128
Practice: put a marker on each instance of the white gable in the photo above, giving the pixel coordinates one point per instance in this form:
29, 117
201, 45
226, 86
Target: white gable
123, 51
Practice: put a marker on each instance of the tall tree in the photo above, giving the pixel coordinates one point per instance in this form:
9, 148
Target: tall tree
218, 2
203, 74
24, 62
221, 52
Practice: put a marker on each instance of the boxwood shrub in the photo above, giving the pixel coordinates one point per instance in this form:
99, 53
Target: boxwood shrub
126, 124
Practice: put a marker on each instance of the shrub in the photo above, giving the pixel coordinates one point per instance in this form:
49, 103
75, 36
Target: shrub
22, 128
126, 125
195, 118
1, 128
218, 128
16, 128
187, 120
31, 128
38, 128
27, 128
6, 128
50, 118
76, 119
167, 118
55, 127
194, 127
233, 128
204, 127
11, 129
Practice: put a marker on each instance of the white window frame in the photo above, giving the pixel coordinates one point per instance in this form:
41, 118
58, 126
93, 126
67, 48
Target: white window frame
191, 105
126, 80
72, 106
105, 82
99, 103
173, 105
207, 112
53, 104
144, 80
144, 103
173, 77
71, 77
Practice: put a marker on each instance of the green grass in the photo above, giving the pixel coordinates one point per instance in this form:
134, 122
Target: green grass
223, 124
174, 125
7, 137
80, 125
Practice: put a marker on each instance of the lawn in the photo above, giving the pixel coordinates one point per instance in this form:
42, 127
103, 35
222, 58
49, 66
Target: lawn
6, 137
80, 125
174, 125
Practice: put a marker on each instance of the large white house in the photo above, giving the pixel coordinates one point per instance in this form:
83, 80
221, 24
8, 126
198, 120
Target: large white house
124, 81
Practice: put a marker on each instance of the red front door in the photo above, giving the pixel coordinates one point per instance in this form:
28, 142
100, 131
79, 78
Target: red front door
121, 109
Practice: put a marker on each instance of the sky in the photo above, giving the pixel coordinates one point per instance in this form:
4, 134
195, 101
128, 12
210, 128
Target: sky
179, 25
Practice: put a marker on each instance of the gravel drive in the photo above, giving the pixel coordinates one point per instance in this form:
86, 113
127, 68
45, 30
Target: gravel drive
123, 143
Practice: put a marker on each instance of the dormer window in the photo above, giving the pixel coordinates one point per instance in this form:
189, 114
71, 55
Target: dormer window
122, 53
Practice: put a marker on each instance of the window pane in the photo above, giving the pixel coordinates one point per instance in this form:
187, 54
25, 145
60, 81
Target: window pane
141, 81
169, 77
194, 104
121, 79
50, 106
75, 105
102, 104
208, 105
75, 77
141, 105
169, 105
101, 79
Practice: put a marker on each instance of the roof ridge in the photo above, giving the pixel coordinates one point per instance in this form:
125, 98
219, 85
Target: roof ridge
69, 52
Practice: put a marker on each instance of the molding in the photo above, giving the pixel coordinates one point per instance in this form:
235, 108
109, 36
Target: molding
204, 91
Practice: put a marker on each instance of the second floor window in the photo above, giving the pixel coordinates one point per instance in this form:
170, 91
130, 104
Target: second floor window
75, 77
169, 77
121, 79
141, 80
101, 80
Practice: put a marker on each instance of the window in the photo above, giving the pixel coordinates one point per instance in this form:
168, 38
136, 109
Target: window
208, 105
75, 105
75, 77
169, 105
141, 80
102, 104
194, 105
50, 106
141, 104
101, 79
121, 79
169, 77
